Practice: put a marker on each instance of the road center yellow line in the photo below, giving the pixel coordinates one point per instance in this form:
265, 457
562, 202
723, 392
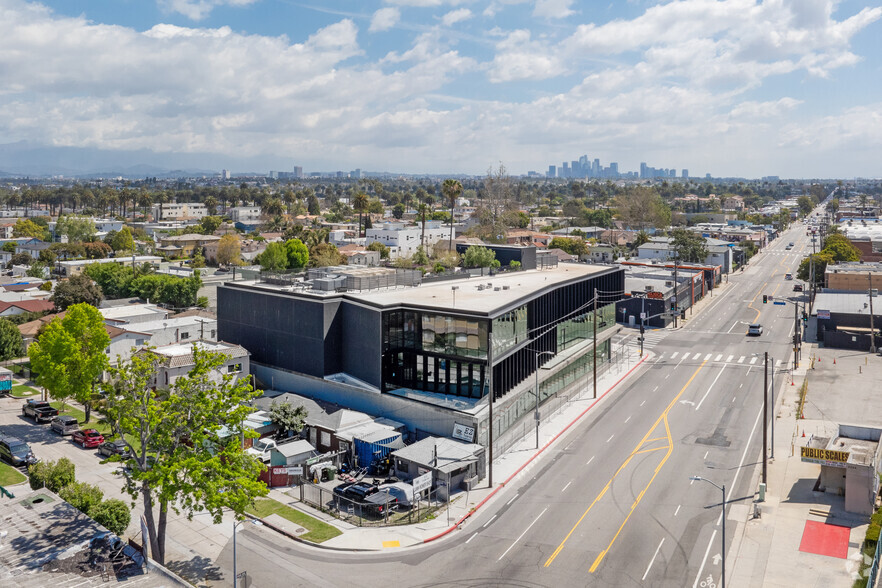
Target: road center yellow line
661, 418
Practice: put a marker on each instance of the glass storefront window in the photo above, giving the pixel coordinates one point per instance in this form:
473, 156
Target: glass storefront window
509, 330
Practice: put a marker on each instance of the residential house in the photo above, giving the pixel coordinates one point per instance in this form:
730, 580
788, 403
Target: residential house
13, 308
249, 249
246, 218
6, 230
453, 464
177, 360
32, 247
184, 245
130, 314
360, 256
183, 211
75, 267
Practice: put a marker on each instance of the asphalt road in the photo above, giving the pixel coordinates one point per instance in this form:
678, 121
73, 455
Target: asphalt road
612, 503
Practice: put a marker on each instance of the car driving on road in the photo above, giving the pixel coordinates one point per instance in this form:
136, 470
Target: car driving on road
755, 329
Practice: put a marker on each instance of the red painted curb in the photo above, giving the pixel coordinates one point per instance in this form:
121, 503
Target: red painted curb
534, 456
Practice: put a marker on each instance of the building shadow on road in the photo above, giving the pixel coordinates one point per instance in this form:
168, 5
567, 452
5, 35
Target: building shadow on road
201, 571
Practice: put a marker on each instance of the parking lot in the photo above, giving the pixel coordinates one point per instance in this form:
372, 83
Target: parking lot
192, 546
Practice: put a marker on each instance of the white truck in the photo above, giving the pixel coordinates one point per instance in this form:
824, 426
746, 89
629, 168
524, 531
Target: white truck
262, 448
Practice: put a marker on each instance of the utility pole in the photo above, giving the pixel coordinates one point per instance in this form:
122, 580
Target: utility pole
595, 343
872, 330
796, 334
765, 416
676, 308
490, 380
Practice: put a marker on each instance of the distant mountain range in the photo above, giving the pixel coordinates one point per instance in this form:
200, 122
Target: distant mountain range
26, 159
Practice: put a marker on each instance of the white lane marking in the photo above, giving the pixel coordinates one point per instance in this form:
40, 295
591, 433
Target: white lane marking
654, 389
708, 356
733, 399
590, 460
675, 354
778, 363
668, 376
741, 385
705, 454
678, 509
759, 415
697, 406
513, 498
472, 537
565, 487
628, 419
703, 561
719, 357
741, 359
610, 437
735, 324
488, 522
644, 402
752, 360
728, 359
652, 561
522, 534
697, 355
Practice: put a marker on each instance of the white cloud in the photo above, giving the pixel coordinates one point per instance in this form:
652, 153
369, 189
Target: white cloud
553, 8
455, 16
384, 19
520, 58
199, 9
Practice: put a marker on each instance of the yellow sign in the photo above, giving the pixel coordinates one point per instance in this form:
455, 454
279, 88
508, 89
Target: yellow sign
824, 456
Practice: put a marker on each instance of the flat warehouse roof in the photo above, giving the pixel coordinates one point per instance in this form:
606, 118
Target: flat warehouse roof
467, 296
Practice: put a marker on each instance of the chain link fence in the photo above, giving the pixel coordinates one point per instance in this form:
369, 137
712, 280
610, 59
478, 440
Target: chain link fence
364, 514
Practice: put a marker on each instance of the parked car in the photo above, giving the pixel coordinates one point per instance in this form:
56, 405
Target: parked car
797, 287
64, 425
39, 410
111, 448
755, 329
16, 452
400, 490
88, 438
380, 501
357, 491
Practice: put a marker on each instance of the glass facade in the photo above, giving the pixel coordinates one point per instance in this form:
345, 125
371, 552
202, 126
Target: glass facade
580, 327
509, 330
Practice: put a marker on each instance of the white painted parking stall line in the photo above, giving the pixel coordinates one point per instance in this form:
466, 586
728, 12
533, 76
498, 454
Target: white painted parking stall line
590, 460
678, 509
522, 534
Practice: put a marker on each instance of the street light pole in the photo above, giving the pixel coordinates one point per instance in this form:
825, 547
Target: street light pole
723, 504
595, 343
765, 415
536, 415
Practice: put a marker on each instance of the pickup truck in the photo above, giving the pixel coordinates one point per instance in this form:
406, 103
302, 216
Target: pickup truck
40, 411
261, 449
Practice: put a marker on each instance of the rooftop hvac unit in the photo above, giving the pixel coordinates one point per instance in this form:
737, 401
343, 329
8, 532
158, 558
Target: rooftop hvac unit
497, 289
650, 288
505, 287
480, 287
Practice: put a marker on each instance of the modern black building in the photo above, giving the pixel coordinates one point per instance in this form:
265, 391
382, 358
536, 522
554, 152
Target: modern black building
381, 341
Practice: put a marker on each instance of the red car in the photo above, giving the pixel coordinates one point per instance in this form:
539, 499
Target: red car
88, 438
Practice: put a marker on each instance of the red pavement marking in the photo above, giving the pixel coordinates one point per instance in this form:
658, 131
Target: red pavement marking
824, 539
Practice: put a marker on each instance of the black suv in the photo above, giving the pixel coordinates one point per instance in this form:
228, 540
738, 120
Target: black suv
16, 452
358, 491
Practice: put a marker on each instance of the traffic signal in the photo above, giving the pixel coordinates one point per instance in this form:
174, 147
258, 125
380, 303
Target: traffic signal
765, 299
804, 317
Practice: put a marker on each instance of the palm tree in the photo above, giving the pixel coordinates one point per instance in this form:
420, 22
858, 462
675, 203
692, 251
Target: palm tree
451, 189
360, 203
423, 208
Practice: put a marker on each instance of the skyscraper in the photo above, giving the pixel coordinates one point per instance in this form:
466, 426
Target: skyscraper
552, 172
298, 172
595, 169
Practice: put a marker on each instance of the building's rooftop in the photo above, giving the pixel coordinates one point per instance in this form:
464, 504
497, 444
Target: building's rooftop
186, 349
843, 302
171, 323
843, 267
119, 313
440, 453
123, 260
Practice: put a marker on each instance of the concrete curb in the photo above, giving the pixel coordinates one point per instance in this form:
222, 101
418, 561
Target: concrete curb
534, 456
294, 537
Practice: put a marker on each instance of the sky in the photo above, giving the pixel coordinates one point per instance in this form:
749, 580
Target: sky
731, 87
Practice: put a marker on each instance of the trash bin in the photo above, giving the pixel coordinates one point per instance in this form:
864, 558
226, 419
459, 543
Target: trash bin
332, 473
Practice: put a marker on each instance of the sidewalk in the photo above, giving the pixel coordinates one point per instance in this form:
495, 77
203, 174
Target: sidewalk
521, 458
766, 550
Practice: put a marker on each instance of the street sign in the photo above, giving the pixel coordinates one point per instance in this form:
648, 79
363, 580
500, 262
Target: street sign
779, 303
423, 482
824, 314
463, 433
642, 316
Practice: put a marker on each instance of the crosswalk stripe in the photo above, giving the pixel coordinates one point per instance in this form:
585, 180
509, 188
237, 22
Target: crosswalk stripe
741, 359
752, 360
728, 359
674, 355
697, 356
708, 356
719, 357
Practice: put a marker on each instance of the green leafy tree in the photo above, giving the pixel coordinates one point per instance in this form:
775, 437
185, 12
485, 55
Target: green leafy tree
53, 475
96, 250
82, 496
477, 256
37, 269
287, 417
379, 247
11, 343
572, 245
187, 453
297, 252
274, 258
123, 240
841, 248
420, 257
398, 210
229, 250
689, 246
312, 205
821, 260
25, 227
113, 514
9, 247
20, 259
360, 204
805, 205
77, 229
76, 290
324, 255
642, 207
209, 224
70, 356
197, 261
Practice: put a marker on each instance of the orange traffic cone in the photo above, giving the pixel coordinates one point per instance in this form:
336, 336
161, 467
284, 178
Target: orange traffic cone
834, 360
803, 432
791, 383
